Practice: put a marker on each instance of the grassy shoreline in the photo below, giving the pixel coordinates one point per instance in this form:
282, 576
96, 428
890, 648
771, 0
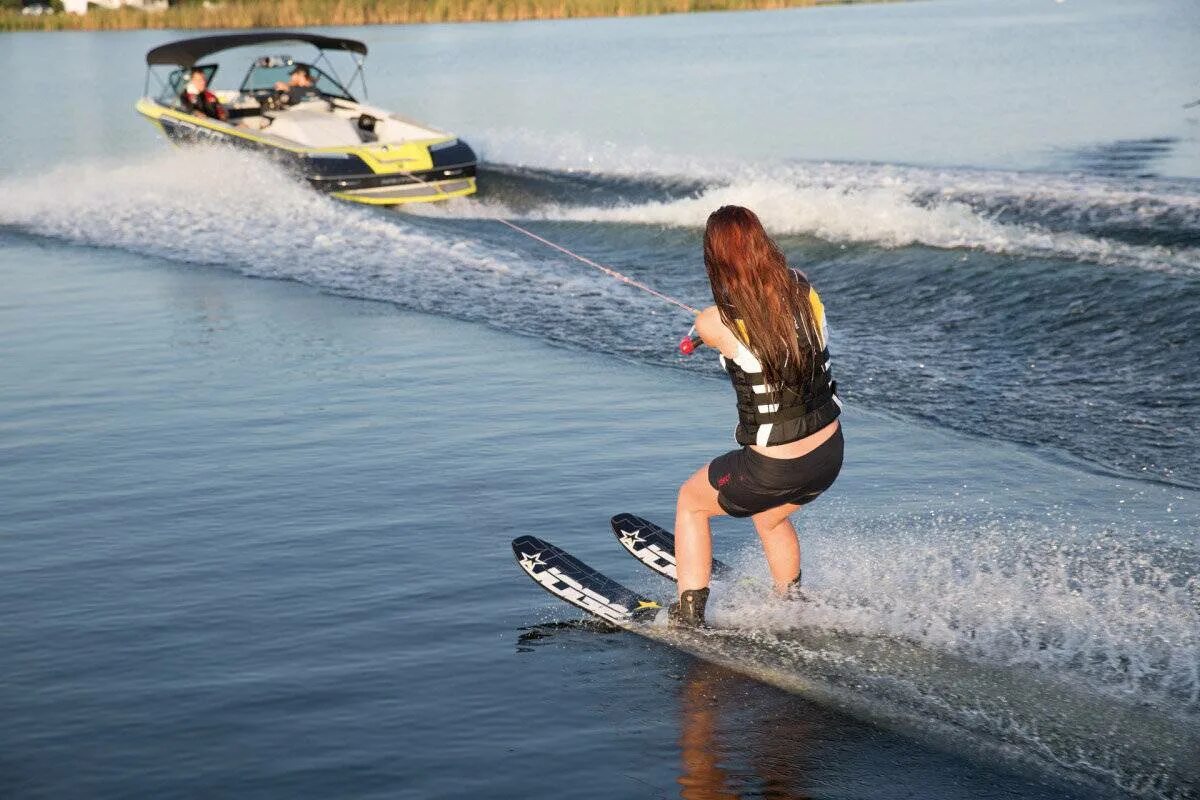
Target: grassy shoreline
311, 13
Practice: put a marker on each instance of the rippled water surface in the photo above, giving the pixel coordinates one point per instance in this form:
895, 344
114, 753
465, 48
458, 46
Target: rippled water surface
254, 537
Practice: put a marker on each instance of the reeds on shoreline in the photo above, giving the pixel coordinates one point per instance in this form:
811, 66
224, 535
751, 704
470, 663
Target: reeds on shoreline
309, 13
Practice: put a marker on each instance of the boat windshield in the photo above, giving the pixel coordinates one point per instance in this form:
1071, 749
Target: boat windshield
265, 72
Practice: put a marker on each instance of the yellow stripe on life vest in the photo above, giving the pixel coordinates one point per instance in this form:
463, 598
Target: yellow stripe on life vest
814, 300
818, 308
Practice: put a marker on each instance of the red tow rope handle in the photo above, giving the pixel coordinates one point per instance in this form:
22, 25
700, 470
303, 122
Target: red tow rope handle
689, 343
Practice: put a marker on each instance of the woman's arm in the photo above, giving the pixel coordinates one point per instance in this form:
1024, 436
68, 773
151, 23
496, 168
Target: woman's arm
714, 333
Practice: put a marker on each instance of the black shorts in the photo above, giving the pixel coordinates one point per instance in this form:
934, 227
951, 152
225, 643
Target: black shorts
747, 482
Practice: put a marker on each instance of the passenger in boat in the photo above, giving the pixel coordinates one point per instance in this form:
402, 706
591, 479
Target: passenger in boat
769, 325
198, 100
299, 87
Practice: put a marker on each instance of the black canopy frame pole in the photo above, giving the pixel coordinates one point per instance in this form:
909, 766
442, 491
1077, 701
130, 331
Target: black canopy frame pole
360, 73
151, 72
332, 69
346, 86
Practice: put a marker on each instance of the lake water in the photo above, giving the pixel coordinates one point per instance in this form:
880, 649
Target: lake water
254, 534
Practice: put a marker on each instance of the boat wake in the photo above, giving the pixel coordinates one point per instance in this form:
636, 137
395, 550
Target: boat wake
1112, 356
215, 206
1153, 225
1148, 223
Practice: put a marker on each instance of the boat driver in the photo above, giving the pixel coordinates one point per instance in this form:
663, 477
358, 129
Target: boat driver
299, 87
197, 99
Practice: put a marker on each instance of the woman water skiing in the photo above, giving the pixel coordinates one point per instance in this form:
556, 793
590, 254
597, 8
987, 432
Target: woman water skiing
769, 325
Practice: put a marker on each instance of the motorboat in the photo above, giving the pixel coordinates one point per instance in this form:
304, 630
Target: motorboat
338, 143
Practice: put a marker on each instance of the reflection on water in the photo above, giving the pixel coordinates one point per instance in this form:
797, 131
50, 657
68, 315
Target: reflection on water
701, 776
769, 767
739, 738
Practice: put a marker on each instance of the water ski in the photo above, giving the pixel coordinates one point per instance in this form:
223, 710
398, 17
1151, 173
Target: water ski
567, 578
654, 546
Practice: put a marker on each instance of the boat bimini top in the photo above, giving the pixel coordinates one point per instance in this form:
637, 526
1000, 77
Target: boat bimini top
185, 54
338, 142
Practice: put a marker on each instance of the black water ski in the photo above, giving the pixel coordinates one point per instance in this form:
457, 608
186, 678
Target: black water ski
569, 579
654, 546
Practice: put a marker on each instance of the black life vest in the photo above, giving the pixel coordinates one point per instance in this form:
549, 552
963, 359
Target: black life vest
770, 415
205, 102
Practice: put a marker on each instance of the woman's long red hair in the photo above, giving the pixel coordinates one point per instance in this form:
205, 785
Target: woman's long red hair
751, 282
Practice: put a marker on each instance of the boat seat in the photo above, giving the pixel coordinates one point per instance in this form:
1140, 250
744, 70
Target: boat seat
315, 128
258, 123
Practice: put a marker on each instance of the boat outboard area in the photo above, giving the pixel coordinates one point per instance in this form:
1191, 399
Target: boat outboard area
292, 105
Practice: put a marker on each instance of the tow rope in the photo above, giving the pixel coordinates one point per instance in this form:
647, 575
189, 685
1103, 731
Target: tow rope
688, 344
609, 271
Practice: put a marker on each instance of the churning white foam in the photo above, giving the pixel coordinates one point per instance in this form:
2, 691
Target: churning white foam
1122, 620
229, 208
888, 205
1077, 651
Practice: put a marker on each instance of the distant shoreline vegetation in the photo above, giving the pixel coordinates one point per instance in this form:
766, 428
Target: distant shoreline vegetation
311, 13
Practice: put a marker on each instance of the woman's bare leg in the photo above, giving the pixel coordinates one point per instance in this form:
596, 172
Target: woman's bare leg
697, 504
780, 543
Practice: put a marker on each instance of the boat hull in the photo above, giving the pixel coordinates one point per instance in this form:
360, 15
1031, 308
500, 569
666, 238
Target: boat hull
375, 174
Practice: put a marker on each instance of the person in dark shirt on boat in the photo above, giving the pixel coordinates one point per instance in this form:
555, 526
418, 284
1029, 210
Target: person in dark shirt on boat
299, 87
197, 99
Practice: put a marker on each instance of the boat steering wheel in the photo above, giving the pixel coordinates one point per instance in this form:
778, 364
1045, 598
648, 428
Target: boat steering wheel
271, 99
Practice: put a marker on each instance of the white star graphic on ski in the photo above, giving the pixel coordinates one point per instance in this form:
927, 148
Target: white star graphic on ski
531, 560
630, 538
